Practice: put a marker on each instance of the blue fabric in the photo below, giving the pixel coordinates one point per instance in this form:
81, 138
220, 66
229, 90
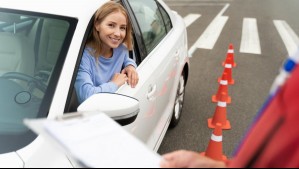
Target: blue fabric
95, 77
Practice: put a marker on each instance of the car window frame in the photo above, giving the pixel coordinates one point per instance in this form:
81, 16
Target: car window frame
137, 26
139, 45
160, 7
137, 49
77, 66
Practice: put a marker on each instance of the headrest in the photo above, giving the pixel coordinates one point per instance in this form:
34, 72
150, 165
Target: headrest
9, 18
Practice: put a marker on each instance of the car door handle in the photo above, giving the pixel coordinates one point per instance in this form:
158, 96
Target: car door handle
151, 92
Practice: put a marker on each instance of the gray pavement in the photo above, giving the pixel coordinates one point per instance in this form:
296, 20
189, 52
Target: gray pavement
253, 75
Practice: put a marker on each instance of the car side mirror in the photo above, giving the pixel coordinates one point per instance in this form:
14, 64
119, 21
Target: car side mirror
122, 109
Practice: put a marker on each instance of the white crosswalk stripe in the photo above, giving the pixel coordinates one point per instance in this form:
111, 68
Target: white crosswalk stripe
250, 42
191, 18
210, 36
288, 36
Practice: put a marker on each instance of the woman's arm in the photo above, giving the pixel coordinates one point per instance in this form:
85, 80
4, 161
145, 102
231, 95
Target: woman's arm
84, 85
130, 70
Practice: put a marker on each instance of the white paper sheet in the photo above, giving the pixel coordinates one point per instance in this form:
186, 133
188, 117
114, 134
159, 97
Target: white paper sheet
98, 141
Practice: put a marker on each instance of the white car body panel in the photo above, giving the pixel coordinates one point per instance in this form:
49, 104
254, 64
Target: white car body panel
152, 72
34, 155
165, 78
11, 160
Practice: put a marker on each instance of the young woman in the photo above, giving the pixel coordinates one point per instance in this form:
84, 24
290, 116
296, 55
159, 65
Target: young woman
105, 65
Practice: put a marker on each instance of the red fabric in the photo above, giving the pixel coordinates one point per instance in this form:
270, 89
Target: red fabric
279, 126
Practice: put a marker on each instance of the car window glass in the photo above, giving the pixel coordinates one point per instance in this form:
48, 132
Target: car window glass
31, 47
166, 18
150, 22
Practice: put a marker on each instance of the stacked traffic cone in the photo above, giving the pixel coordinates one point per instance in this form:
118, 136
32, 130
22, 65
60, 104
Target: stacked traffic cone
229, 70
230, 55
214, 150
223, 90
220, 115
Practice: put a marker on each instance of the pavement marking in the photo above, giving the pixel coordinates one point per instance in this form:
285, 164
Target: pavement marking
223, 10
250, 37
288, 36
191, 18
210, 36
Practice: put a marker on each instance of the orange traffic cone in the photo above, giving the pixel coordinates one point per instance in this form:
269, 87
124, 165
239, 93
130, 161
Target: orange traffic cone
229, 70
230, 55
223, 88
215, 148
220, 115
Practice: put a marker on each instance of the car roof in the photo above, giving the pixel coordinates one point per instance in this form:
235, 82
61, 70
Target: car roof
73, 8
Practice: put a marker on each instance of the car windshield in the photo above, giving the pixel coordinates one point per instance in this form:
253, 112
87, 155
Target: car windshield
33, 48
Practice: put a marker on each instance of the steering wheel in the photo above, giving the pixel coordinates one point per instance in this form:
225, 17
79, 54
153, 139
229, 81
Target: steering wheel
29, 79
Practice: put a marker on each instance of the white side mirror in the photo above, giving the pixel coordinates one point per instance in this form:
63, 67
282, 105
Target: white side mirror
122, 109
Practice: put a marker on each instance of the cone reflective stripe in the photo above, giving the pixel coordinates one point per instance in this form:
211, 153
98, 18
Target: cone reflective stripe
224, 82
220, 115
223, 88
214, 149
228, 69
230, 56
231, 53
216, 138
222, 104
229, 66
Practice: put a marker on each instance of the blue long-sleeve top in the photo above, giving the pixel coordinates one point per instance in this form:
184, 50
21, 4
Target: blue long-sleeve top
95, 76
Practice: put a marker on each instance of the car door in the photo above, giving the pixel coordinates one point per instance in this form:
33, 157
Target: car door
166, 62
164, 59
161, 67
146, 89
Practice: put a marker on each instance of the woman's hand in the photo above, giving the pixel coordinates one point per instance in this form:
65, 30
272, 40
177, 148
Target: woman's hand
119, 79
132, 74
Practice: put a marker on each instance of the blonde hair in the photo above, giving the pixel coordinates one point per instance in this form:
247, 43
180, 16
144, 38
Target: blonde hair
94, 40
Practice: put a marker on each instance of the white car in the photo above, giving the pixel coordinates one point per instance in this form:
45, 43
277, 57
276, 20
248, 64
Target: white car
41, 45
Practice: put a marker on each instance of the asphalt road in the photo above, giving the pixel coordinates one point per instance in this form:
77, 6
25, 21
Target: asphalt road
262, 33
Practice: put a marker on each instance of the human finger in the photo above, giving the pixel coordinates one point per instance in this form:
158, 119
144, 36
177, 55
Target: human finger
123, 71
129, 74
135, 79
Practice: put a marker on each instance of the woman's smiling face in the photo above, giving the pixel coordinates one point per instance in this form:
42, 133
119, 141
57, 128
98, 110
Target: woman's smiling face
112, 30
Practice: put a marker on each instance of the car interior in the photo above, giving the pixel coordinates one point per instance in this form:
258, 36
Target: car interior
150, 23
52, 36
29, 49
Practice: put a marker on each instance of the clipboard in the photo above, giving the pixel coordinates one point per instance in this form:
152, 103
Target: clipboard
95, 140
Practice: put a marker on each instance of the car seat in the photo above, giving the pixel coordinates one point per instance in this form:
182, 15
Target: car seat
52, 35
16, 54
